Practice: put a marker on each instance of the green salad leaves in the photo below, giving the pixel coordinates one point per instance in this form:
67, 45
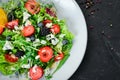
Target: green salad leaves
33, 36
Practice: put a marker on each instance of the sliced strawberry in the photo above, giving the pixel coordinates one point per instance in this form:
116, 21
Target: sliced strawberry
55, 29
32, 6
1, 30
28, 30
47, 21
12, 24
11, 58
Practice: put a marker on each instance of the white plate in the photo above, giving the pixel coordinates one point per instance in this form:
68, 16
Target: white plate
69, 10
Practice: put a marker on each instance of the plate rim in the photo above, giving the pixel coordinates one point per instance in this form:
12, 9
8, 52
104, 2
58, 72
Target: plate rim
86, 39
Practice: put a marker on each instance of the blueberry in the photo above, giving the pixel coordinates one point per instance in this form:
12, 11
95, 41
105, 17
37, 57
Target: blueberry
32, 38
65, 42
19, 53
44, 31
9, 37
40, 24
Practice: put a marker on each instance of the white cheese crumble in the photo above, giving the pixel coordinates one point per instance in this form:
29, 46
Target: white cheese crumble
25, 16
28, 39
37, 57
16, 27
48, 25
43, 42
15, 31
21, 27
8, 46
37, 40
27, 23
52, 38
26, 66
54, 41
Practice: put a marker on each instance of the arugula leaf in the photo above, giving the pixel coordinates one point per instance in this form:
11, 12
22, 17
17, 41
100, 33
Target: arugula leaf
8, 32
2, 58
8, 68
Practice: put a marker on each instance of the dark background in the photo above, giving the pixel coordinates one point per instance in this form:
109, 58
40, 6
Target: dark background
103, 18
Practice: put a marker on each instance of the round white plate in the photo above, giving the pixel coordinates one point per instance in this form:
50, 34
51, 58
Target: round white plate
69, 10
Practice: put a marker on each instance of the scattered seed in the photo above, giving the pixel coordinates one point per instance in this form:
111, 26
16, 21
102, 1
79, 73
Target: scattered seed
91, 27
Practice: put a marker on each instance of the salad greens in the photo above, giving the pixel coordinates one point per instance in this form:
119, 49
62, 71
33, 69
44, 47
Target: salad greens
27, 32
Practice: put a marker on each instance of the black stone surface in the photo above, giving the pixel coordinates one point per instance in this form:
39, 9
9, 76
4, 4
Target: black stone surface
98, 63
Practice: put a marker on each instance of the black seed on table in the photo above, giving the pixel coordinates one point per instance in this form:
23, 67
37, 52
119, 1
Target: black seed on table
44, 31
89, 4
98, 1
19, 53
91, 27
112, 48
109, 36
65, 42
111, 25
103, 32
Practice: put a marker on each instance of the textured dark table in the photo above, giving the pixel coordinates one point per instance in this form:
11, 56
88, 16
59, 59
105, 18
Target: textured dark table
98, 63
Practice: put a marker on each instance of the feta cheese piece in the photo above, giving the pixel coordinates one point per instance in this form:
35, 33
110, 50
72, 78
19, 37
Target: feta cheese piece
48, 25
37, 40
21, 27
43, 42
26, 66
28, 39
50, 36
15, 31
37, 57
27, 23
25, 16
16, 27
8, 46
54, 41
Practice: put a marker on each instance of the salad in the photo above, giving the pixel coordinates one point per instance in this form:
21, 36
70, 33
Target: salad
33, 40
